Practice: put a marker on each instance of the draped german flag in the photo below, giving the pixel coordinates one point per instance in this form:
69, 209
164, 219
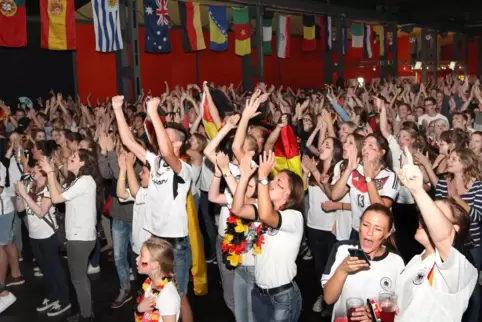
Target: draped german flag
242, 31
287, 152
209, 126
309, 33
198, 269
13, 23
151, 133
57, 19
193, 38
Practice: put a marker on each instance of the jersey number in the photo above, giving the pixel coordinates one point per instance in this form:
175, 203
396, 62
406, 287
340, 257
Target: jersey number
361, 201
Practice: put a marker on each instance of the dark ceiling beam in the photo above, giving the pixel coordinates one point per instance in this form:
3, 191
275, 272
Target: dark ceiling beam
319, 8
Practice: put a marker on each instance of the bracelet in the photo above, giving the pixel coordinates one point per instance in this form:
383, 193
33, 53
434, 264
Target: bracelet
218, 176
122, 179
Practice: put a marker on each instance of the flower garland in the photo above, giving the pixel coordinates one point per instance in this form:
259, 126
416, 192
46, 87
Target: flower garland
147, 286
238, 239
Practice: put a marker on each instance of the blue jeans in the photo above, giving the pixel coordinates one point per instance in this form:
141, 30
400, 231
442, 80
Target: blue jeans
182, 265
6, 228
121, 236
282, 307
243, 286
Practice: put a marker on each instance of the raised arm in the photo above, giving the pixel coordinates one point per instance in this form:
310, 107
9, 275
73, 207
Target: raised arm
39, 210
439, 227
166, 149
239, 207
126, 135
210, 150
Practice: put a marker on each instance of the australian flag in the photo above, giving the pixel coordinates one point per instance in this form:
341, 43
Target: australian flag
156, 19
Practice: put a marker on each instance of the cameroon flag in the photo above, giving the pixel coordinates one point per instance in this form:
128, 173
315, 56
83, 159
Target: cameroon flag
242, 31
13, 23
57, 19
287, 152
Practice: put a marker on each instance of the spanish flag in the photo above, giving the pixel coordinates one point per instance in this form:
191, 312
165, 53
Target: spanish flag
287, 152
218, 28
193, 38
198, 269
57, 19
242, 31
309, 33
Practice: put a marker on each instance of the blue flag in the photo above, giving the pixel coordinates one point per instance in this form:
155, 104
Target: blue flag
156, 20
218, 27
108, 36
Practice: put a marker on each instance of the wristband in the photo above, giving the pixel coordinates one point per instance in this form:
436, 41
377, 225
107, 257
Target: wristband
218, 176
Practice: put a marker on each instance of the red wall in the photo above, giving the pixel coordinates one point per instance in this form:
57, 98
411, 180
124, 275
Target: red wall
447, 54
96, 71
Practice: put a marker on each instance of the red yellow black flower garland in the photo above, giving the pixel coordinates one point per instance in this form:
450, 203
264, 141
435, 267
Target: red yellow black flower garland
155, 290
235, 241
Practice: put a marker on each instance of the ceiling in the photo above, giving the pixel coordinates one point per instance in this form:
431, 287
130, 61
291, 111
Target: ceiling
444, 16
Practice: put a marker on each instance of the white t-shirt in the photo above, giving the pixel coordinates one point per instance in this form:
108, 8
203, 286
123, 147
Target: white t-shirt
37, 227
276, 265
196, 179
168, 302
224, 212
139, 234
429, 119
398, 161
15, 175
436, 290
383, 275
317, 218
206, 175
80, 209
167, 195
6, 204
387, 185
343, 218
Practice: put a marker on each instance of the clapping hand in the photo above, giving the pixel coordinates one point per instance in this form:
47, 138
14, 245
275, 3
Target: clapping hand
245, 166
266, 164
46, 165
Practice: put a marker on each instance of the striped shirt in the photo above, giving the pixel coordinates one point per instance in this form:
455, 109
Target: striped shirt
473, 198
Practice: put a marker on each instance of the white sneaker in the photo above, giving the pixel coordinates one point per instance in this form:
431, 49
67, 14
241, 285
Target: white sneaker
318, 306
131, 277
36, 269
38, 274
6, 301
93, 270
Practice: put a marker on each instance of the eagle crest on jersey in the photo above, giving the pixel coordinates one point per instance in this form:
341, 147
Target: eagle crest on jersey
359, 182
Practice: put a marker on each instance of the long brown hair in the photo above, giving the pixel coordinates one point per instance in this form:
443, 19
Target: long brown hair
471, 163
359, 147
297, 192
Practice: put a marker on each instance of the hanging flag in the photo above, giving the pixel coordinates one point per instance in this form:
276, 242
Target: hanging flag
198, 268
57, 21
367, 41
218, 28
13, 23
357, 36
242, 31
287, 152
193, 38
344, 35
327, 32
156, 21
108, 36
413, 44
283, 36
380, 31
309, 33
268, 32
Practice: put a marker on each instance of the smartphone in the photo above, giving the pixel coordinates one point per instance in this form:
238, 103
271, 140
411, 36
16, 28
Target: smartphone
360, 254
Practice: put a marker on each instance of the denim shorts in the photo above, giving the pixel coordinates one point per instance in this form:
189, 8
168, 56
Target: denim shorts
182, 265
6, 228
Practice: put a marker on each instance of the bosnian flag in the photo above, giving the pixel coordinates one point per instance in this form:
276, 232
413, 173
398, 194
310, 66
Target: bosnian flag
283, 35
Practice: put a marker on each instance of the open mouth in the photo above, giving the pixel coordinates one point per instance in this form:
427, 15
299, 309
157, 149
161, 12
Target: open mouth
367, 243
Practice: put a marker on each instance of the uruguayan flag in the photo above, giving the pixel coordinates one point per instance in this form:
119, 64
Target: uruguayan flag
107, 26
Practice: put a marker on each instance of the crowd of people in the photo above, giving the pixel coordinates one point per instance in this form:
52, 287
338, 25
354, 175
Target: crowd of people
379, 185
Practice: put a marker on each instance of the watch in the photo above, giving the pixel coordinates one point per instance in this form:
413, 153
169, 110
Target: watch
264, 182
227, 174
368, 179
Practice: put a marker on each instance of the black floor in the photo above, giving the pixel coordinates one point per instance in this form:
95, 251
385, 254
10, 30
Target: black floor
210, 307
